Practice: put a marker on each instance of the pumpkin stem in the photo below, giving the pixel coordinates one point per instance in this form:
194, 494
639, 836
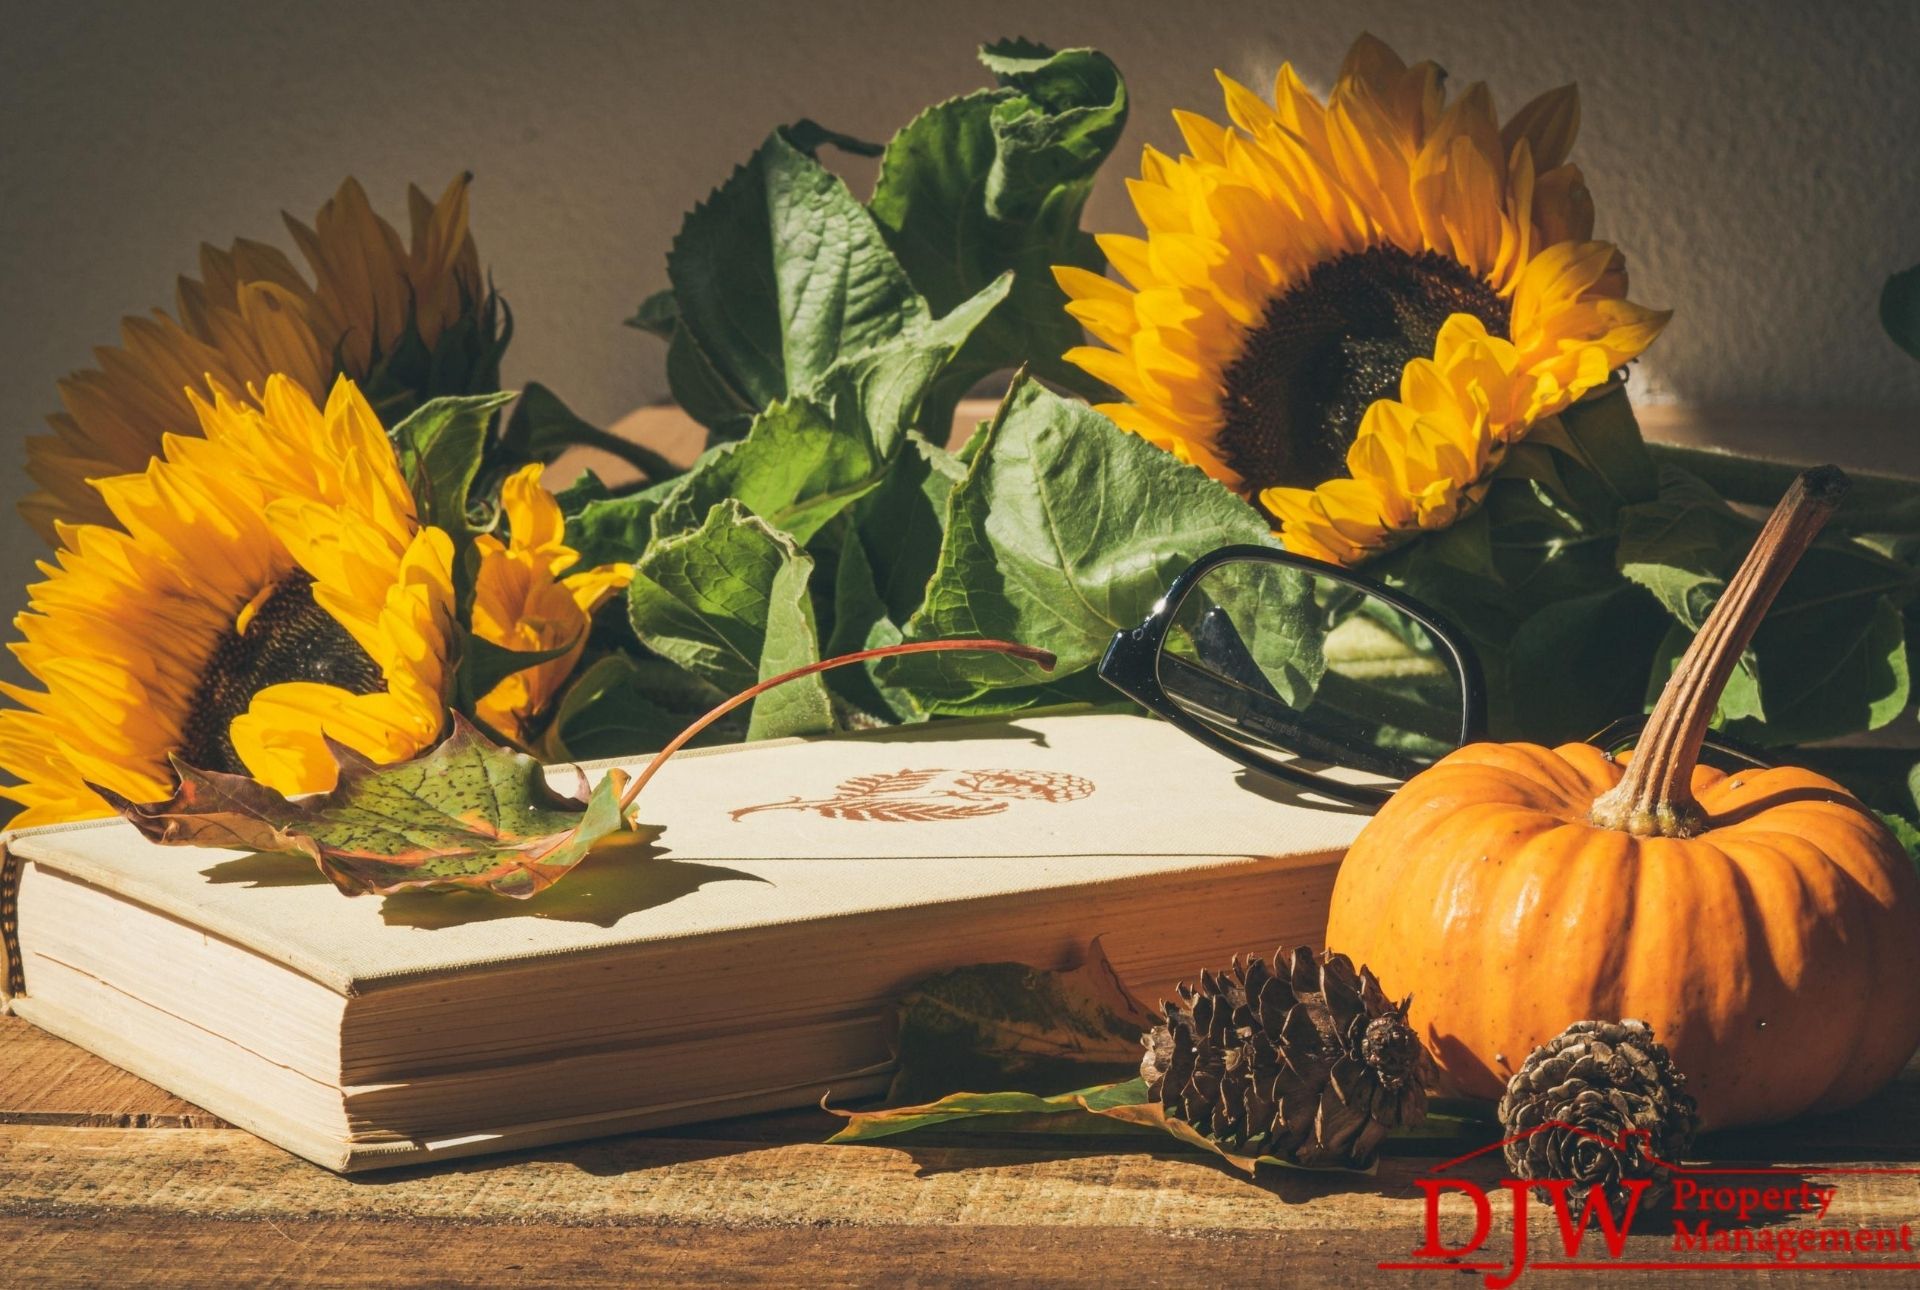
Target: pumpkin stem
1655, 797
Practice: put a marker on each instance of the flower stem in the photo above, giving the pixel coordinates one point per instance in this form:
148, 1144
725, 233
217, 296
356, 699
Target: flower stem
1043, 657
1655, 797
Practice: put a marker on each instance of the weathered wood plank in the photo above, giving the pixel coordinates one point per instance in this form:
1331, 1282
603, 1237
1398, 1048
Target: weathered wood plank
85, 1206
343, 1252
44, 1080
228, 1174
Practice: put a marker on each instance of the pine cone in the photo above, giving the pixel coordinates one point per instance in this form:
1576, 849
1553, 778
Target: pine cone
1306, 1061
1607, 1078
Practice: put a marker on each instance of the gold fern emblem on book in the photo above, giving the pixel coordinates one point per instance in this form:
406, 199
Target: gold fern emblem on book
929, 795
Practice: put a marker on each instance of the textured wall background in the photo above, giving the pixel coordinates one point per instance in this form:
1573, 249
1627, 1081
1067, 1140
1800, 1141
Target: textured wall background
1756, 160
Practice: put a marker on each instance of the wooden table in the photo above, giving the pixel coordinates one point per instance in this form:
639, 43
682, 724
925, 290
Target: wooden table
106, 1180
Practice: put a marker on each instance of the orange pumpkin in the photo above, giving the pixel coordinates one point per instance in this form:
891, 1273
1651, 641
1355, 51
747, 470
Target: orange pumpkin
1765, 923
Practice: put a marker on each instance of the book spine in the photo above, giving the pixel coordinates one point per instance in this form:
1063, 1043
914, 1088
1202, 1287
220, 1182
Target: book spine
13, 969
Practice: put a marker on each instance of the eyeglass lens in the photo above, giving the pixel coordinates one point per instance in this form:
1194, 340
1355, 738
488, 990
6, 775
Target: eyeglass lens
1304, 663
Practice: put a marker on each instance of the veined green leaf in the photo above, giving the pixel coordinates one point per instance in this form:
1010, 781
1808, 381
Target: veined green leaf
807, 458
996, 180
610, 530
1065, 530
794, 470
729, 603
439, 447
780, 274
901, 523
621, 706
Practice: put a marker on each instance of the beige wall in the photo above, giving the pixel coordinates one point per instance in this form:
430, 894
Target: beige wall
1758, 161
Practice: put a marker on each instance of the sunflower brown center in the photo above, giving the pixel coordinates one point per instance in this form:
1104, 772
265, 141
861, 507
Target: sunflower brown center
1329, 347
288, 638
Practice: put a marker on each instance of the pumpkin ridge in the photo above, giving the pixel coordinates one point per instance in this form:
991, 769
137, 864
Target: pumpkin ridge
1827, 907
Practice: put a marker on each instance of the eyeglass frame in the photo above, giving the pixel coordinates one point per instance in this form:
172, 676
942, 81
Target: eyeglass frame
1130, 665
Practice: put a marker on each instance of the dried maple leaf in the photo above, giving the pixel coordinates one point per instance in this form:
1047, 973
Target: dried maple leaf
468, 813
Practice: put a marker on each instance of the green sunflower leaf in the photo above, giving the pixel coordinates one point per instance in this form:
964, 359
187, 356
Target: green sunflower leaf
1579, 663
620, 706
795, 469
781, 274
440, 446
609, 530
729, 602
901, 524
466, 814
484, 664
1065, 530
586, 487
1830, 658
542, 427
996, 180
1900, 309
1905, 830
657, 315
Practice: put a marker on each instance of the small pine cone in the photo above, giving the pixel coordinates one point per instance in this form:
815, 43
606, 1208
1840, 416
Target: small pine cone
1607, 1078
1306, 1060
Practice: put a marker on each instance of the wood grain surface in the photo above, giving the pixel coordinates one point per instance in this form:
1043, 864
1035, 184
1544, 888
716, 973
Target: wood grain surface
106, 1180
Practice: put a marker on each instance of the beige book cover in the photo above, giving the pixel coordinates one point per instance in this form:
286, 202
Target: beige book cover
1023, 837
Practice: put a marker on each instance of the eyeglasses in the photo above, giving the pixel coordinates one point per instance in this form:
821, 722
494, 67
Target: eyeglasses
1294, 667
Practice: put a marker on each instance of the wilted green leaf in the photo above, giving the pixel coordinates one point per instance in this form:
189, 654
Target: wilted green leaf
466, 814
1065, 530
1007, 1025
729, 602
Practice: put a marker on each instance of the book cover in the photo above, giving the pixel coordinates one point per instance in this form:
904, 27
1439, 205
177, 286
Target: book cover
816, 877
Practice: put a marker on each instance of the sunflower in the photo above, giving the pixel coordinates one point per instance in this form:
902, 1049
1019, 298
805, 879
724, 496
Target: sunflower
524, 600
377, 311
265, 587
1347, 311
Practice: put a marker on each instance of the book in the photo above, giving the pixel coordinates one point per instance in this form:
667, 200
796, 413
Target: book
745, 960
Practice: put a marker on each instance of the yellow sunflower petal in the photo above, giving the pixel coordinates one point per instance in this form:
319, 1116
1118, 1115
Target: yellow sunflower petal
1258, 233
251, 315
262, 549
